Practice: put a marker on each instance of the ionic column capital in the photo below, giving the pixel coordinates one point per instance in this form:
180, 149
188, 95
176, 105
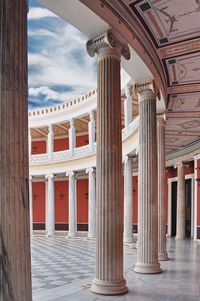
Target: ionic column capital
108, 38
178, 164
126, 159
70, 173
49, 176
50, 128
128, 89
146, 90
72, 122
161, 118
91, 115
90, 170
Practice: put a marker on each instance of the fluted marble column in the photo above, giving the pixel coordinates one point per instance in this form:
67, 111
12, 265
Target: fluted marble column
180, 219
72, 204
31, 204
72, 136
128, 200
109, 229
92, 203
127, 105
15, 263
162, 253
91, 129
50, 205
147, 252
50, 142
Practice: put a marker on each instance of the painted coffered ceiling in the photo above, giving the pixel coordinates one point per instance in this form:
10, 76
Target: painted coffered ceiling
165, 35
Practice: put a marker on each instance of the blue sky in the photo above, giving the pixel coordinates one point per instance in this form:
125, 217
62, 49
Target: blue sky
59, 67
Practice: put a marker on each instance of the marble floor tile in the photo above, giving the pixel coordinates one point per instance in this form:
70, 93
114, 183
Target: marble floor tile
62, 269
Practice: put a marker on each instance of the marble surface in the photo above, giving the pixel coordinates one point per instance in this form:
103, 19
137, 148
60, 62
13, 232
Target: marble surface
64, 268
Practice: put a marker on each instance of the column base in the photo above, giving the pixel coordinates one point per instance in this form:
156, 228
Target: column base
91, 236
71, 235
127, 240
50, 234
179, 237
163, 256
109, 287
143, 268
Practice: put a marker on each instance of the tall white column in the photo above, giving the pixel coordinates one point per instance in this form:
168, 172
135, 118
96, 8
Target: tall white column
147, 252
72, 136
51, 206
180, 219
50, 141
162, 253
91, 203
91, 129
31, 204
29, 143
72, 204
109, 228
128, 200
128, 105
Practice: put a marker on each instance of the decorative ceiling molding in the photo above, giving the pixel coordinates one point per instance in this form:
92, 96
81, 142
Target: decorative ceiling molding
170, 21
184, 89
180, 48
184, 69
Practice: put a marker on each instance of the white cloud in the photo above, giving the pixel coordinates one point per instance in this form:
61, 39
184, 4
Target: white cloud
39, 13
61, 60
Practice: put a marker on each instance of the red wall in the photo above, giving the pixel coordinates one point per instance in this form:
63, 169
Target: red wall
38, 147
82, 140
61, 144
82, 201
61, 201
38, 202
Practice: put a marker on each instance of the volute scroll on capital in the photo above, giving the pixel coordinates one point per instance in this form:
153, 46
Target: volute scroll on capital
161, 118
70, 173
108, 38
180, 164
150, 86
90, 170
49, 176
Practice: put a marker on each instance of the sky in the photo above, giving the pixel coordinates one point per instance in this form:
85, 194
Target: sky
59, 67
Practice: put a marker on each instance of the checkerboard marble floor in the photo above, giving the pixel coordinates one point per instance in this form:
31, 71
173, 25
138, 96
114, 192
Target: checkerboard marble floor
62, 269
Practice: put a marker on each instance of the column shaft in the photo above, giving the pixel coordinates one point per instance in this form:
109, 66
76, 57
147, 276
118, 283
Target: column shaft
15, 263
50, 206
180, 220
147, 253
127, 106
72, 136
162, 254
91, 205
50, 142
72, 206
128, 201
109, 242
91, 129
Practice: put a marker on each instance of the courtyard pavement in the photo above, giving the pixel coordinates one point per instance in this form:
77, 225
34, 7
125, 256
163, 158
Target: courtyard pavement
62, 270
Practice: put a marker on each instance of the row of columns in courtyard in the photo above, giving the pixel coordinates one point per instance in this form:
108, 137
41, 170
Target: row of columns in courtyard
91, 126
